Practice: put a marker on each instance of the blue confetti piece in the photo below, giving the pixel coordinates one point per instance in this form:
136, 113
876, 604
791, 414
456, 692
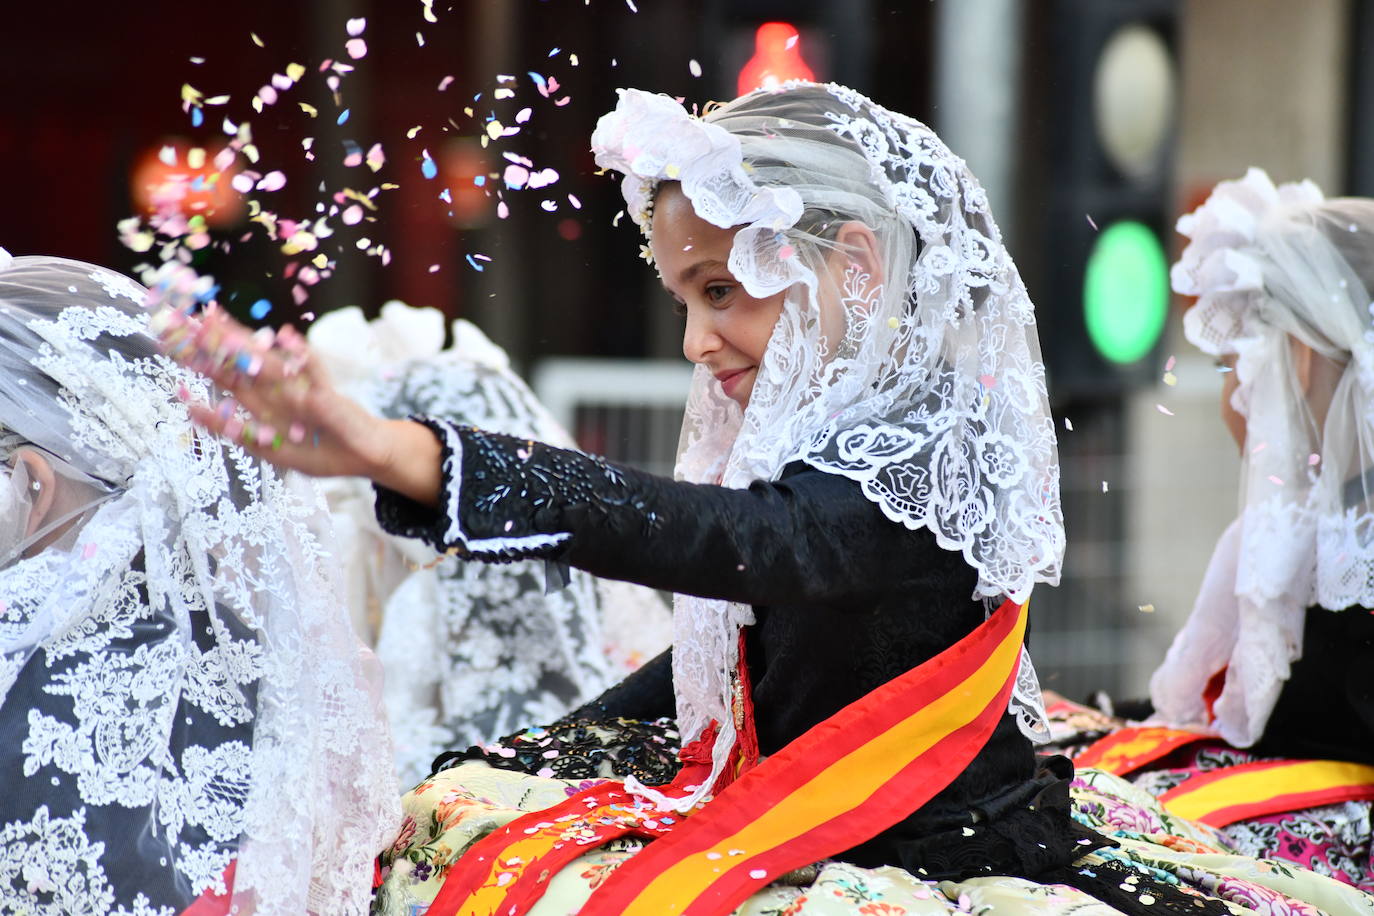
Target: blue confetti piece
260, 309
427, 166
475, 266
540, 81
554, 52
479, 180
198, 183
343, 116
209, 294
197, 117
445, 196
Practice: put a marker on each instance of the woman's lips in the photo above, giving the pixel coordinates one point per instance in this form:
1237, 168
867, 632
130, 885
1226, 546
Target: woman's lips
731, 380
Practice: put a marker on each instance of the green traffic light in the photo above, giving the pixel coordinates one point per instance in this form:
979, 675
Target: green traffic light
1126, 291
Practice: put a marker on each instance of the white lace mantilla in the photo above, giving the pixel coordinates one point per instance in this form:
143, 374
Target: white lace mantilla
472, 651
924, 386
1273, 266
179, 688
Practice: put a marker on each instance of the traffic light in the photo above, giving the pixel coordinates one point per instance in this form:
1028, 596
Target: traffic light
1109, 88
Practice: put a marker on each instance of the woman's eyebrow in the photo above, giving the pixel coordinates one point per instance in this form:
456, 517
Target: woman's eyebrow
690, 272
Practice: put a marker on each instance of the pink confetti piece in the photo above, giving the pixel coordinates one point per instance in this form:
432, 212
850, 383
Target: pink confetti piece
1164, 410
1169, 365
543, 178
523, 115
434, 268
89, 550
268, 95
1313, 460
1276, 481
576, 204
355, 27
445, 83
549, 205
786, 252
356, 48
353, 215
272, 181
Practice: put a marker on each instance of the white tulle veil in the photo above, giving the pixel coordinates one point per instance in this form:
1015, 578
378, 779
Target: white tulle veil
1270, 264
178, 688
928, 389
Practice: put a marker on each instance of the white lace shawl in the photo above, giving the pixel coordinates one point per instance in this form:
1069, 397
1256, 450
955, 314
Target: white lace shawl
934, 398
180, 688
1268, 263
472, 651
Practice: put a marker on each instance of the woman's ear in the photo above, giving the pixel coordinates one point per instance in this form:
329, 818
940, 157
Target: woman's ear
43, 488
859, 246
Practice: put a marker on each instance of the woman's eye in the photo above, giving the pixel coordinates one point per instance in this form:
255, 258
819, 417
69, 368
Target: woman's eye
718, 293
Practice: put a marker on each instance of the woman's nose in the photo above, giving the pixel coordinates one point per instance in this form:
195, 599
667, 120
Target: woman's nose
699, 339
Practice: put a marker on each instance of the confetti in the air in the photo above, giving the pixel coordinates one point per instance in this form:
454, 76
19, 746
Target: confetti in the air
694, 68
1147, 609
1090, 221
1313, 460
1164, 410
427, 166
260, 309
1068, 424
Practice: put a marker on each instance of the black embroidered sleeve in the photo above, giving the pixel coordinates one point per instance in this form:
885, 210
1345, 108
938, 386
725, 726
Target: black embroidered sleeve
808, 537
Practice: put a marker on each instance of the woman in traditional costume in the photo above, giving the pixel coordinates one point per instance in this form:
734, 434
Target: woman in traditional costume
188, 723
867, 492
1266, 696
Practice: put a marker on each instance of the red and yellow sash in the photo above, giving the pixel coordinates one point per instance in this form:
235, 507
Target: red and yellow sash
1236, 793
1128, 749
843, 782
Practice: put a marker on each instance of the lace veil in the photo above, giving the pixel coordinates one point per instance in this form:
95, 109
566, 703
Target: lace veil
178, 690
1268, 263
472, 651
927, 389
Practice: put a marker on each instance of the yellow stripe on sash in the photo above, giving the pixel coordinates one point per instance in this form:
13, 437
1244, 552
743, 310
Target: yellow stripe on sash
1250, 790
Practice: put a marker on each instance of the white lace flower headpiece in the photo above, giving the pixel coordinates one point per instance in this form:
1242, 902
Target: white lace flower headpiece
1272, 265
651, 138
926, 388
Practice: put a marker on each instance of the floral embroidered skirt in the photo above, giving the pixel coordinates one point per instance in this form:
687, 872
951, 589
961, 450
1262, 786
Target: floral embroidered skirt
1162, 863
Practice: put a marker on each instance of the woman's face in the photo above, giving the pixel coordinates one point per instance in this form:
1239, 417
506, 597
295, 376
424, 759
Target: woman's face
727, 329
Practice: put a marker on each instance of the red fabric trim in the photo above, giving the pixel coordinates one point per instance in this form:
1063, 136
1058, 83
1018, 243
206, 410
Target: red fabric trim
813, 752
212, 904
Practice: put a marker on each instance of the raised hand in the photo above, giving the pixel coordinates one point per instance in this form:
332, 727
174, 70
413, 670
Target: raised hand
297, 419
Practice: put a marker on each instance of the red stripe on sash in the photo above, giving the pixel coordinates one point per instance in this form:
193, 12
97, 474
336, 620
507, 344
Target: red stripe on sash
1128, 749
1236, 793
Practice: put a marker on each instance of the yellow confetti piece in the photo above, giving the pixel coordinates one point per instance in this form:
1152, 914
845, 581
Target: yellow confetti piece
309, 109
410, 134
572, 59
257, 104
256, 40
320, 260
1170, 378
294, 72
494, 129
893, 322
196, 158
190, 93
468, 111
301, 241
672, 171
217, 100
251, 151
1147, 609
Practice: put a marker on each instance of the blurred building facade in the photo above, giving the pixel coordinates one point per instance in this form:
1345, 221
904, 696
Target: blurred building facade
1012, 85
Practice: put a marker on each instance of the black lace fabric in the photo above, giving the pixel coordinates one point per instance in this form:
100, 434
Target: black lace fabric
579, 748
1130, 890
